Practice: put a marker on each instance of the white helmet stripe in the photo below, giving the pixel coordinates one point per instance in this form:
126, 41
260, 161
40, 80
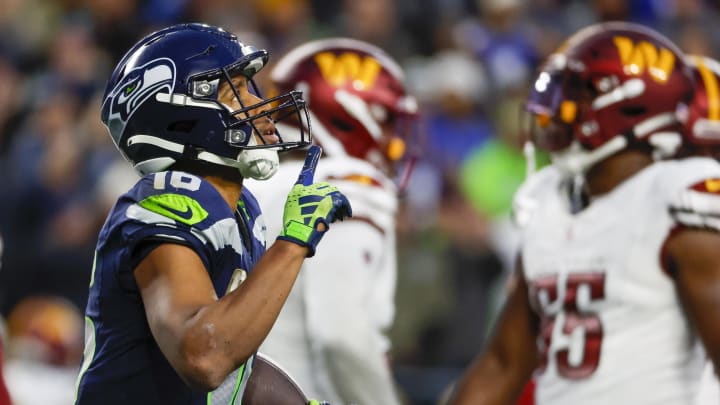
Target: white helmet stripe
630, 89
358, 109
179, 148
182, 100
654, 123
331, 145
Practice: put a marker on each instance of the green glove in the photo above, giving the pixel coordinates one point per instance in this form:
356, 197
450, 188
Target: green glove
311, 204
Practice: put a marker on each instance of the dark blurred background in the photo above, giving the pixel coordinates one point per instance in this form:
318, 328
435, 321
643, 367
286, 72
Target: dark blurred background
467, 61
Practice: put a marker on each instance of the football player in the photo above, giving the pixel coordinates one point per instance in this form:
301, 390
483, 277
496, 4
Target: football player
614, 296
331, 336
702, 138
182, 291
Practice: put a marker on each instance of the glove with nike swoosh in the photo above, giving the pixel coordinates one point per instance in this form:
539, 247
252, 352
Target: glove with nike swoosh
311, 207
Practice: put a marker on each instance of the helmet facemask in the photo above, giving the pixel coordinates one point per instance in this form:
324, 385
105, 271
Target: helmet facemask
250, 120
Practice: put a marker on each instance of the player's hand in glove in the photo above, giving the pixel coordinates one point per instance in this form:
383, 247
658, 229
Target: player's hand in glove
311, 207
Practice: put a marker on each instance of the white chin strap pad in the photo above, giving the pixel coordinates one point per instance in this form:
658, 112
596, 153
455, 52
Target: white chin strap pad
258, 164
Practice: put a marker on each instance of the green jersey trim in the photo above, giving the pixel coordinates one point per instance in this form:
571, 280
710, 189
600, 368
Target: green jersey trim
179, 207
239, 382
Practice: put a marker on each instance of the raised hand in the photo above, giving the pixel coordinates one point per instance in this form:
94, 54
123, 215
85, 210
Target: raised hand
311, 207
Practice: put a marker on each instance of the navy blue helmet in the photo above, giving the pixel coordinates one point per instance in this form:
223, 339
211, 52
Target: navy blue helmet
161, 102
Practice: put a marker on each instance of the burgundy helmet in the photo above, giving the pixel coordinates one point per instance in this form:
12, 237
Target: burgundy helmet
702, 125
356, 94
609, 86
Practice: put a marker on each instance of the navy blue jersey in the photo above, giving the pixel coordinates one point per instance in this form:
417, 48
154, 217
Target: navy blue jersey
122, 363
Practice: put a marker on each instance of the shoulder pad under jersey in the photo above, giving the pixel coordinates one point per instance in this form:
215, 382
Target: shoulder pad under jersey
175, 203
184, 198
697, 203
532, 191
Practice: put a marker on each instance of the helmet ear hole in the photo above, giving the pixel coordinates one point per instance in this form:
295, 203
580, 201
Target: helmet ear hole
633, 111
342, 125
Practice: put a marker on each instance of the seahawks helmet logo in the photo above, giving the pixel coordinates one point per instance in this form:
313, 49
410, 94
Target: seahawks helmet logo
134, 89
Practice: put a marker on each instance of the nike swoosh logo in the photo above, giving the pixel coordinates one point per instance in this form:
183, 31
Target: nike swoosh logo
187, 214
176, 206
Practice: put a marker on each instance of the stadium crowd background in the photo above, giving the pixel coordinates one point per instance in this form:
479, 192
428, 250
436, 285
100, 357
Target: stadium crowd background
467, 61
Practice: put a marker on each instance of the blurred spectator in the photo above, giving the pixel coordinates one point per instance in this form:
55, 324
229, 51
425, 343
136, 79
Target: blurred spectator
502, 41
453, 101
116, 24
374, 21
11, 101
493, 172
26, 26
284, 23
49, 229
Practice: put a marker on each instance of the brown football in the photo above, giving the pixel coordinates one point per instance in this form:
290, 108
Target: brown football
270, 384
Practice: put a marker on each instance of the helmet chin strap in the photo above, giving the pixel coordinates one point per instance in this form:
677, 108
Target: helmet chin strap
529, 154
258, 164
576, 160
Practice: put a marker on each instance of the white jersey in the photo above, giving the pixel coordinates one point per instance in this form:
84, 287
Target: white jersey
330, 335
612, 329
709, 393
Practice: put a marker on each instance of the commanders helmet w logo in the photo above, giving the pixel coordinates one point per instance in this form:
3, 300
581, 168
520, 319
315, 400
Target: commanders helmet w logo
360, 70
638, 57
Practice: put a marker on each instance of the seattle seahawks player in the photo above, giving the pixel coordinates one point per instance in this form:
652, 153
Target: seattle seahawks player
182, 291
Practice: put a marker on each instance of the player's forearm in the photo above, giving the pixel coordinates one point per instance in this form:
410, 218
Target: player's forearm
222, 336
